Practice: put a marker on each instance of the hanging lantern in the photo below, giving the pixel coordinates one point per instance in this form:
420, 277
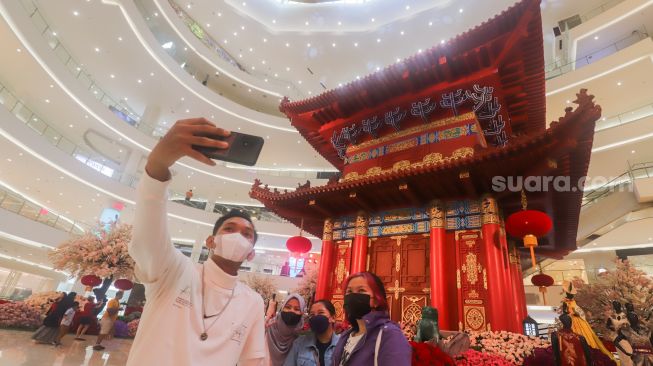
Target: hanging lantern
542, 281
299, 244
529, 225
91, 280
123, 284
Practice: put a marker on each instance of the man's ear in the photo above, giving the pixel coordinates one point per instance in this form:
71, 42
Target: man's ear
209, 242
251, 255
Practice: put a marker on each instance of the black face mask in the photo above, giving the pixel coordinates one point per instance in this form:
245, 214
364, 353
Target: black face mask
319, 324
356, 306
290, 318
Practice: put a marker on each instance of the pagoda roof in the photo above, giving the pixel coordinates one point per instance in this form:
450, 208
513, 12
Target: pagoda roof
561, 150
510, 44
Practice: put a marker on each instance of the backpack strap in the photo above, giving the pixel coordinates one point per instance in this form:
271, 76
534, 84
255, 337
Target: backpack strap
377, 347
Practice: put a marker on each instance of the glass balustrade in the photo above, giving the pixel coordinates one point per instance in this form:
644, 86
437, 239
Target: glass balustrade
17, 204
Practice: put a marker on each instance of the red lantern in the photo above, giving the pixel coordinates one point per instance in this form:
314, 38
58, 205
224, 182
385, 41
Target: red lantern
542, 281
123, 284
299, 244
91, 280
529, 225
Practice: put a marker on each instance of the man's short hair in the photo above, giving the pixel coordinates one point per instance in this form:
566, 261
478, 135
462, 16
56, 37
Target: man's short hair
231, 214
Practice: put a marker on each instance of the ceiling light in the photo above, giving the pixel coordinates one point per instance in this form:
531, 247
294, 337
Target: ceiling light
182, 99
188, 6
112, 76
263, 62
299, 82
253, 68
355, 44
75, 13
339, 23
139, 81
185, 48
618, 83
97, 49
54, 34
276, 75
358, 77
251, 49
568, 101
339, 84
430, 24
266, 80
442, 41
378, 68
167, 45
244, 3
249, 90
378, 40
187, 110
306, 23
219, 14
419, 51
632, 151
151, 74
287, 44
71, 126
460, 10
310, 92
373, 20
60, 194
120, 39
235, 34
596, 37
402, 33
333, 44
225, 41
19, 50
398, 59
208, 25
240, 55
265, 40
407, 7
47, 100
9, 160
274, 21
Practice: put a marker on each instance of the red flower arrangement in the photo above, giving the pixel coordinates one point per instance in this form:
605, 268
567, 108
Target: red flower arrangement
425, 354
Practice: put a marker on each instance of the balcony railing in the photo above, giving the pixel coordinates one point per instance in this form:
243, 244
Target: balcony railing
17, 204
555, 69
621, 183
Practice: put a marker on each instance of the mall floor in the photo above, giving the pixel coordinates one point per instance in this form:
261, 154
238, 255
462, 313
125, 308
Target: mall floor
17, 348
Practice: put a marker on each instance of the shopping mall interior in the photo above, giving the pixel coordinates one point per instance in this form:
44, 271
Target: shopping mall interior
88, 88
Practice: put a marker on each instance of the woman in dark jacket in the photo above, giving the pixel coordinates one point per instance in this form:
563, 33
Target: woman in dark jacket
49, 331
374, 339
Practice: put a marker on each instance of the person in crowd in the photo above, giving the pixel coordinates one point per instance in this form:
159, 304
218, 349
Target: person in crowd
49, 331
316, 348
271, 310
87, 317
373, 339
196, 314
189, 195
281, 331
108, 319
66, 321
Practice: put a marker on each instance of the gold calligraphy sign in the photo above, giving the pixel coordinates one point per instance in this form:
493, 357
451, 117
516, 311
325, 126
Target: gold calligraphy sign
484, 278
458, 284
328, 230
340, 270
398, 263
436, 215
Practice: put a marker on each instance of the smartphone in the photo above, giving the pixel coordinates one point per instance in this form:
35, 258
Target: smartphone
243, 149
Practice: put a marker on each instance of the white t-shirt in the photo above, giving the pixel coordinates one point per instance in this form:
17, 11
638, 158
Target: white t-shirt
170, 327
68, 316
352, 341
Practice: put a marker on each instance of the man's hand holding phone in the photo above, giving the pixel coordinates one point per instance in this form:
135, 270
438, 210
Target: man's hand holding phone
179, 142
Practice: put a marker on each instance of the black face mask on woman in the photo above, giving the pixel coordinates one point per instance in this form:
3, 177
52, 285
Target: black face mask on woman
319, 324
290, 318
356, 306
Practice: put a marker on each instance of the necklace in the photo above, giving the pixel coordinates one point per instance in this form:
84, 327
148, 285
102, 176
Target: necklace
204, 334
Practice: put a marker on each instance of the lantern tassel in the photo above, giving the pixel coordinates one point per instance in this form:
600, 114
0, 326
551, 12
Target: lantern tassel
533, 261
543, 291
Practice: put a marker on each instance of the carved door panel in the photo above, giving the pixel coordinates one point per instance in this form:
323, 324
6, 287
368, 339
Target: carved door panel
414, 279
402, 264
340, 274
385, 262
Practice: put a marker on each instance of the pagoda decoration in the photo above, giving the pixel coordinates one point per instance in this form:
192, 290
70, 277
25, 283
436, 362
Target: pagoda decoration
422, 148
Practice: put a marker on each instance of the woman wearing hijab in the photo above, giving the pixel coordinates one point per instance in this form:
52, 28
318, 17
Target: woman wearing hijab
49, 331
373, 339
284, 329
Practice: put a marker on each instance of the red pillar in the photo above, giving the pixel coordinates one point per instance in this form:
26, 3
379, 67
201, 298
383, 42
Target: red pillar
322, 290
518, 293
515, 322
498, 295
438, 266
359, 245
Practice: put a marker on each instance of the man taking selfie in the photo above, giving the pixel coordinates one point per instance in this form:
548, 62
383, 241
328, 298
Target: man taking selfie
196, 314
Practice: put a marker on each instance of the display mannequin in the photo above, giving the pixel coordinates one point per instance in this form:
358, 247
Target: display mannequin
639, 338
616, 322
570, 348
579, 325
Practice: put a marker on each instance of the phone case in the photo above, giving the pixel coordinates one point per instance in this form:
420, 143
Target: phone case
243, 149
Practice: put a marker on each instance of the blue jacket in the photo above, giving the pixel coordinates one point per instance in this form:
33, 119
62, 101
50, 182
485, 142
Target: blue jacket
304, 351
394, 349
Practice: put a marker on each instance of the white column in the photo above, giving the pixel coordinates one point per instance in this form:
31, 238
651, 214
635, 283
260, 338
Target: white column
198, 245
131, 167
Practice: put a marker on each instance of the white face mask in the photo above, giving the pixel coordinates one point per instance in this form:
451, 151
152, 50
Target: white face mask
233, 247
